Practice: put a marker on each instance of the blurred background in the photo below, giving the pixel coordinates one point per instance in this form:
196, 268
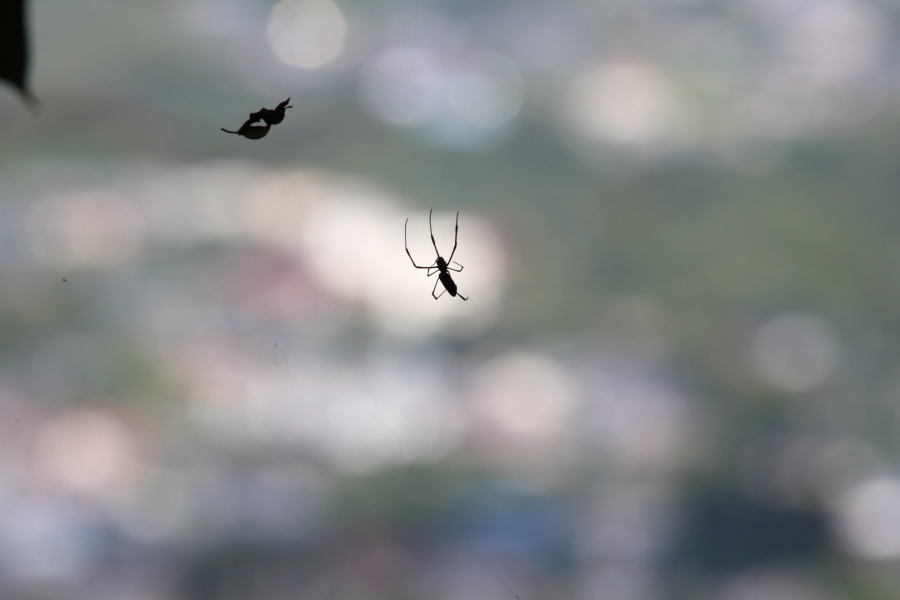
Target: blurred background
677, 375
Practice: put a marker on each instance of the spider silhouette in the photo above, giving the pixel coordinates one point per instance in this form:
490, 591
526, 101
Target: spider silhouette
440, 265
269, 116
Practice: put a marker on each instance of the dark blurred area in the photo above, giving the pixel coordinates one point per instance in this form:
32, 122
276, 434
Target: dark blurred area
14, 46
676, 376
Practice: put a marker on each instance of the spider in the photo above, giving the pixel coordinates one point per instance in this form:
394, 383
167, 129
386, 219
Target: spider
440, 265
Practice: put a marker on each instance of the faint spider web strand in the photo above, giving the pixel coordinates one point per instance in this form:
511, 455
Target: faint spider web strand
493, 572
484, 321
382, 423
311, 6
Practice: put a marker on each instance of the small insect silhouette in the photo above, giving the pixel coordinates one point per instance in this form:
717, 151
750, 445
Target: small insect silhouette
251, 131
440, 265
269, 116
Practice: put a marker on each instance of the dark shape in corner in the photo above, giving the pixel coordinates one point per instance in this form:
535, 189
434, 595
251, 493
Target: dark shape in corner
14, 47
269, 116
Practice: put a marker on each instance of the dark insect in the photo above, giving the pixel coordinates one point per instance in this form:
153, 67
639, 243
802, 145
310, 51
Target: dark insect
251, 131
269, 116
272, 116
440, 265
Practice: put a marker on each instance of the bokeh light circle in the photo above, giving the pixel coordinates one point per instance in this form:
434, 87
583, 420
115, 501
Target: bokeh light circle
868, 519
306, 33
526, 395
401, 87
623, 102
488, 91
794, 352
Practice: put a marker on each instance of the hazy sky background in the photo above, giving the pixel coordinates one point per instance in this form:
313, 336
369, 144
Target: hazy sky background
676, 376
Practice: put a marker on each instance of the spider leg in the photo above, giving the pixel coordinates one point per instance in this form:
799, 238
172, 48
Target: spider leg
455, 238
406, 247
431, 231
435, 287
461, 296
457, 270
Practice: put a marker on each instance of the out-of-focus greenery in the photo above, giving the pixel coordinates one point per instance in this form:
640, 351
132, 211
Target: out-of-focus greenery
656, 267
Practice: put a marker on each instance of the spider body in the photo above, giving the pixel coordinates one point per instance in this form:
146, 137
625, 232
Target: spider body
440, 266
446, 280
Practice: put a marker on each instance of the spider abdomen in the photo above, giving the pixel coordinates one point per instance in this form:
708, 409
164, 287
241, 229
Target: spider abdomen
448, 282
